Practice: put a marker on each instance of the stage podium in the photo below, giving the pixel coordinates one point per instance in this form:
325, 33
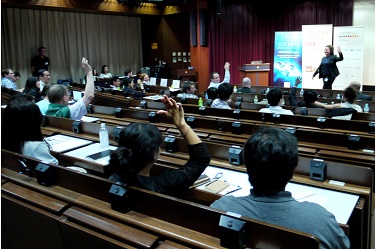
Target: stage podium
258, 73
186, 74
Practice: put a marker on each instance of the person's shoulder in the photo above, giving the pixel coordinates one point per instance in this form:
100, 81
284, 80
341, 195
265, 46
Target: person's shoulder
225, 202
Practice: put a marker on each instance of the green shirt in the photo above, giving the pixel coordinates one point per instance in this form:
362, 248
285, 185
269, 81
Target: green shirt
58, 110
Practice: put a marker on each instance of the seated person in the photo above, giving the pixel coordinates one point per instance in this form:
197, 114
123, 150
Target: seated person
105, 74
139, 148
129, 89
32, 88
270, 156
58, 96
116, 83
274, 97
21, 132
44, 103
144, 79
224, 92
215, 77
360, 96
94, 75
7, 75
349, 98
309, 96
246, 86
211, 93
188, 91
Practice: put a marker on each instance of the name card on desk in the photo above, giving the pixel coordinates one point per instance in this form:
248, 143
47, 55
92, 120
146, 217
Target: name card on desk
176, 84
152, 81
164, 82
62, 143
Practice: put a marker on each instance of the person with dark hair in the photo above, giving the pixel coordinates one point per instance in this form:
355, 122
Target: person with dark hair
32, 87
212, 93
105, 74
41, 61
188, 90
21, 132
44, 103
270, 156
215, 77
274, 97
7, 75
224, 92
44, 78
128, 73
16, 77
349, 98
58, 96
139, 148
327, 69
116, 83
309, 96
360, 96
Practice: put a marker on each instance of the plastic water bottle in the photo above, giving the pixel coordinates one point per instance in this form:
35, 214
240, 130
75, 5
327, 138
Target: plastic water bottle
256, 99
103, 136
267, 90
366, 108
200, 101
301, 92
235, 89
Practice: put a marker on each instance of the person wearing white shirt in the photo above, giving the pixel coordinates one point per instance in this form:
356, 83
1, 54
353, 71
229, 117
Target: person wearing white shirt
349, 97
215, 77
105, 73
274, 97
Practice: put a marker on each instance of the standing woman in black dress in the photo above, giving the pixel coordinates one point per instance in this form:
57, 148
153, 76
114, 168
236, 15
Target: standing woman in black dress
327, 69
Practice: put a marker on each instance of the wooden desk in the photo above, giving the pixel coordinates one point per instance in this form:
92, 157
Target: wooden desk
91, 212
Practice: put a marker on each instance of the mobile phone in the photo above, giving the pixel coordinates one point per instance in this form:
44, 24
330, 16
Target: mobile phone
101, 154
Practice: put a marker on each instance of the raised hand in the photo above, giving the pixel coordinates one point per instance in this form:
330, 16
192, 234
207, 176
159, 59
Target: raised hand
298, 81
86, 66
226, 66
174, 111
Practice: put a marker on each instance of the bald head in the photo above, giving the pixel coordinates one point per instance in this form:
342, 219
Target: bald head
246, 82
355, 85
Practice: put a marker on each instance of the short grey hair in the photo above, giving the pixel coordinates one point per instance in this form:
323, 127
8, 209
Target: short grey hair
246, 81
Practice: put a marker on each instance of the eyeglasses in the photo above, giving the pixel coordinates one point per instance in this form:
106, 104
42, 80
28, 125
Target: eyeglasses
46, 75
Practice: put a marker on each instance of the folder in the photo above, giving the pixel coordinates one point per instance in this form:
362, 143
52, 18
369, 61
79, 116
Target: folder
216, 186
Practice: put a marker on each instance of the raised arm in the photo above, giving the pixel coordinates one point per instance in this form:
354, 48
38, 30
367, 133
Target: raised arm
176, 113
90, 88
226, 72
292, 95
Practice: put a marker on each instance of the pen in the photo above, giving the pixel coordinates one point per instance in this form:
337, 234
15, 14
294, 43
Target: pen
234, 190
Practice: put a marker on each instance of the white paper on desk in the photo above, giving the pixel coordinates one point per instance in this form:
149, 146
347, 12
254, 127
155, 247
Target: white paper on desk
152, 81
174, 89
89, 119
234, 178
153, 97
164, 82
340, 204
62, 143
176, 84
